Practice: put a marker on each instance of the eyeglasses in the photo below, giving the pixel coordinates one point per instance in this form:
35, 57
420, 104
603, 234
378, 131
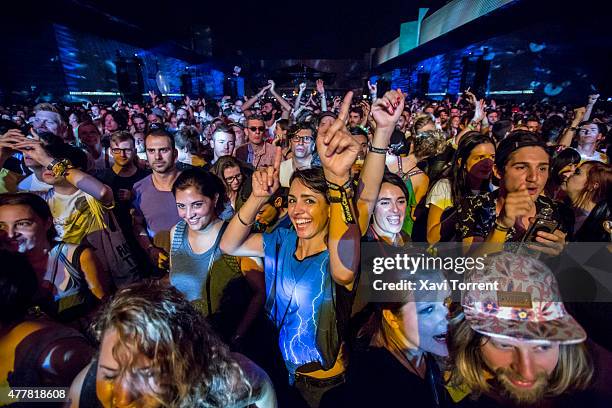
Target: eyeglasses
303, 139
259, 129
231, 179
117, 150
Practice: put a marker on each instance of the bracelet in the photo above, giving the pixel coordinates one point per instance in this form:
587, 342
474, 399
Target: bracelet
377, 150
501, 228
242, 222
335, 187
59, 167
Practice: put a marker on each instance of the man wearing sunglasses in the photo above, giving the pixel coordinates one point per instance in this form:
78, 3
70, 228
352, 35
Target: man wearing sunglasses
302, 141
256, 151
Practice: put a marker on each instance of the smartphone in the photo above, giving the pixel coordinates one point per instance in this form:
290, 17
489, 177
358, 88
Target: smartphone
540, 224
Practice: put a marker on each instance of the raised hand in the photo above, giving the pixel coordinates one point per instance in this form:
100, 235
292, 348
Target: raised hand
320, 87
387, 110
34, 149
337, 148
263, 90
517, 204
593, 98
479, 113
337, 103
153, 96
266, 180
271, 84
578, 115
302, 87
373, 88
470, 97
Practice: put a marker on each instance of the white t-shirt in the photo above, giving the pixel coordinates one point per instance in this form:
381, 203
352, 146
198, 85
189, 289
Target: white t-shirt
440, 195
100, 163
597, 156
285, 172
32, 183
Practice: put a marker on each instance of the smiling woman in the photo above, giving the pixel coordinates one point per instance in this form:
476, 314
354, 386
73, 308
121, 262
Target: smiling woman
197, 267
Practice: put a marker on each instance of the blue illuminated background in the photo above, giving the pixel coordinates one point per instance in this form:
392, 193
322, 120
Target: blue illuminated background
89, 65
539, 62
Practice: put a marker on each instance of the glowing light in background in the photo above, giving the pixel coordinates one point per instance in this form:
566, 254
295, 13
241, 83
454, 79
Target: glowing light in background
534, 47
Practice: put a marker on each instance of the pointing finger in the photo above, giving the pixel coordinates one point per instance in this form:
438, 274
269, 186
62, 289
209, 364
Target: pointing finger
339, 123
344, 108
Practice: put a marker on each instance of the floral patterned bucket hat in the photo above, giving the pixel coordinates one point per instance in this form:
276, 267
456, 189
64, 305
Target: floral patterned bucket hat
526, 306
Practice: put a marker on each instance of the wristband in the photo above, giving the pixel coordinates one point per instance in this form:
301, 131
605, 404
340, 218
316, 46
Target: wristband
377, 150
342, 195
59, 167
501, 228
335, 187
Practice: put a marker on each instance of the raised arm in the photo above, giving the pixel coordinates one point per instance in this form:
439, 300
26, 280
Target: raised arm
386, 112
78, 178
589, 107
568, 135
321, 91
247, 105
373, 87
282, 101
338, 150
237, 239
296, 105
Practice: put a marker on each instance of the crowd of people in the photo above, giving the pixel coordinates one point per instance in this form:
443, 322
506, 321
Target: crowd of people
200, 253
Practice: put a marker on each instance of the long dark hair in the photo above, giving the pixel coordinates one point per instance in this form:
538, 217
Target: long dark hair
459, 183
205, 182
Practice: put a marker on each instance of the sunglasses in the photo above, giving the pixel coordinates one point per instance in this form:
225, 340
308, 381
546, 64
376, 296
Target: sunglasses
261, 129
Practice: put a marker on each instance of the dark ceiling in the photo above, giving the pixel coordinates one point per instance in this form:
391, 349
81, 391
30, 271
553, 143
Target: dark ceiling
256, 29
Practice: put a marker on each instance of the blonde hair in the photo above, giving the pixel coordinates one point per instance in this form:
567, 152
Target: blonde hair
192, 366
574, 370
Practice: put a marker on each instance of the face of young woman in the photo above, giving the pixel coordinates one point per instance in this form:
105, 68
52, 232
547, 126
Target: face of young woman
124, 388
480, 161
233, 178
195, 208
21, 230
308, 211
390, 209
576, 182
423, 325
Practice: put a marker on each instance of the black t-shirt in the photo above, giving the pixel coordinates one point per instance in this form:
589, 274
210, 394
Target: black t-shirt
476, 216
375, 378
116, 183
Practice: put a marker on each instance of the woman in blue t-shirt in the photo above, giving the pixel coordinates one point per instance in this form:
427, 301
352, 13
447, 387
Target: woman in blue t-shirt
310, 269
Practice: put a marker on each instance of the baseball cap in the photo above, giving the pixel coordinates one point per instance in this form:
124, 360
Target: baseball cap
526, 306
